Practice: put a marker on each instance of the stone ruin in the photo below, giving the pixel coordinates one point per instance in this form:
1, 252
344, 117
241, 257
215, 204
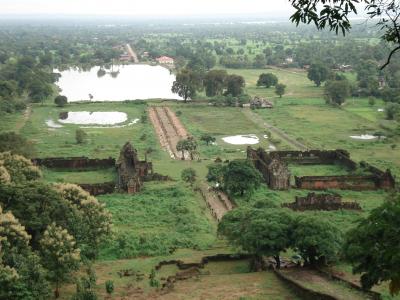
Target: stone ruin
321, 202
275, 171
259, 102
274, 168
131, 171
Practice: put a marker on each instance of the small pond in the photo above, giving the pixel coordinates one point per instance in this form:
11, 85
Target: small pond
129, 82
93, 118
248, 139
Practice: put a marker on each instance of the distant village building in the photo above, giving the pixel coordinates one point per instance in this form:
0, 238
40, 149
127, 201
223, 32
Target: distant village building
165, 60
146, 54
345, 68
125, 57
289, 60
259, 102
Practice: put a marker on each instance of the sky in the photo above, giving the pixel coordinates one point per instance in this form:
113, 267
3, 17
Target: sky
146, 7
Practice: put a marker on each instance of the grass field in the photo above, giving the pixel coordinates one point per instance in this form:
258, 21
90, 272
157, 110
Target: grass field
169, 216
297, 84
222, 281
324, 127
160, 219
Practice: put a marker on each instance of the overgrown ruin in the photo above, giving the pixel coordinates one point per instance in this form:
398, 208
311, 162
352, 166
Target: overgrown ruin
131, 171
321, 202
274, 168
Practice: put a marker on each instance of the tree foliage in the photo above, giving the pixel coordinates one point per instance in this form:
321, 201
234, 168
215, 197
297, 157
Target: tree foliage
189, 175
60, 254
241, 177
280, 89
187, 84
234, 85
318, 73
258, 231
336, 91
267, 80
334, 14
372, 246
317, 240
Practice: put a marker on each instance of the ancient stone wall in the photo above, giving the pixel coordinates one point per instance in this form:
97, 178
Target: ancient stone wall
99, 188
74, 163
272, 167
316, 157
356, 183
321, 202
274, 170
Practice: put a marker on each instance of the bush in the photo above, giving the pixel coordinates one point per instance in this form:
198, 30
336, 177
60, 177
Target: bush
109, 287
61, 101
80, 136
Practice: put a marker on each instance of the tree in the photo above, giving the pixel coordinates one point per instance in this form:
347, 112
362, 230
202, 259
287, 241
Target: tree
258, 231
21, 273
336, 91
189, 175
18, 168
181, 146
372, 246
318, 73
392, 111
215, 173
267, 80
334, 15
60, 255
39, 90
80, 136
88, 220
280, 89
187, 83
189, 145
207, 138
16, 144
240, 177
260, 61
61, 101
316, 239
214, 82
234, 85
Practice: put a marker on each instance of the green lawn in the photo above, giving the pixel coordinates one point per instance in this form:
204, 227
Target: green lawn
160, 219
101, 143
297, 84
324, 127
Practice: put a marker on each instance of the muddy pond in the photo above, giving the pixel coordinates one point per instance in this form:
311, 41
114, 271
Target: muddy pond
129, 82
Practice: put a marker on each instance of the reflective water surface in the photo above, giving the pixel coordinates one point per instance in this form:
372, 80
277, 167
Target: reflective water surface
130, 82
93, 118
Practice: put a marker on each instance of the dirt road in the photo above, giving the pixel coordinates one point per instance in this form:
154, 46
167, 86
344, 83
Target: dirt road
255, 118
132, 54
170, 131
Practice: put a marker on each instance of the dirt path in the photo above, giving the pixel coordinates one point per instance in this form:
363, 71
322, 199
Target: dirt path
170, 131
255, 118
132, 54
218, 202
25, 118
316, 281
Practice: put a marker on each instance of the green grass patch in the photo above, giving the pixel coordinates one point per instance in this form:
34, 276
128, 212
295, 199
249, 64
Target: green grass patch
162, 218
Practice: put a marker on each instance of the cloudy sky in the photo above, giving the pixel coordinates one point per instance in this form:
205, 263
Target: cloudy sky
145, 7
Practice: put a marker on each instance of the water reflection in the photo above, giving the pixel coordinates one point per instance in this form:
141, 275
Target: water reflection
93, 118
117, 83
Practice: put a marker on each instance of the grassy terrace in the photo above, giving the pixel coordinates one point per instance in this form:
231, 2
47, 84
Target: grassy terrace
323, 127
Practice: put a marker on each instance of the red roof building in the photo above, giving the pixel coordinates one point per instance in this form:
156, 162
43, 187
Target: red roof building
165, 60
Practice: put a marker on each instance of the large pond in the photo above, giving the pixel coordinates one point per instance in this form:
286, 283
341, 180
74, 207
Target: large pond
129, 82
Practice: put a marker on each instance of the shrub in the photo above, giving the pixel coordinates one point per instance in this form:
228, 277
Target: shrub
80, 136
61, 101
